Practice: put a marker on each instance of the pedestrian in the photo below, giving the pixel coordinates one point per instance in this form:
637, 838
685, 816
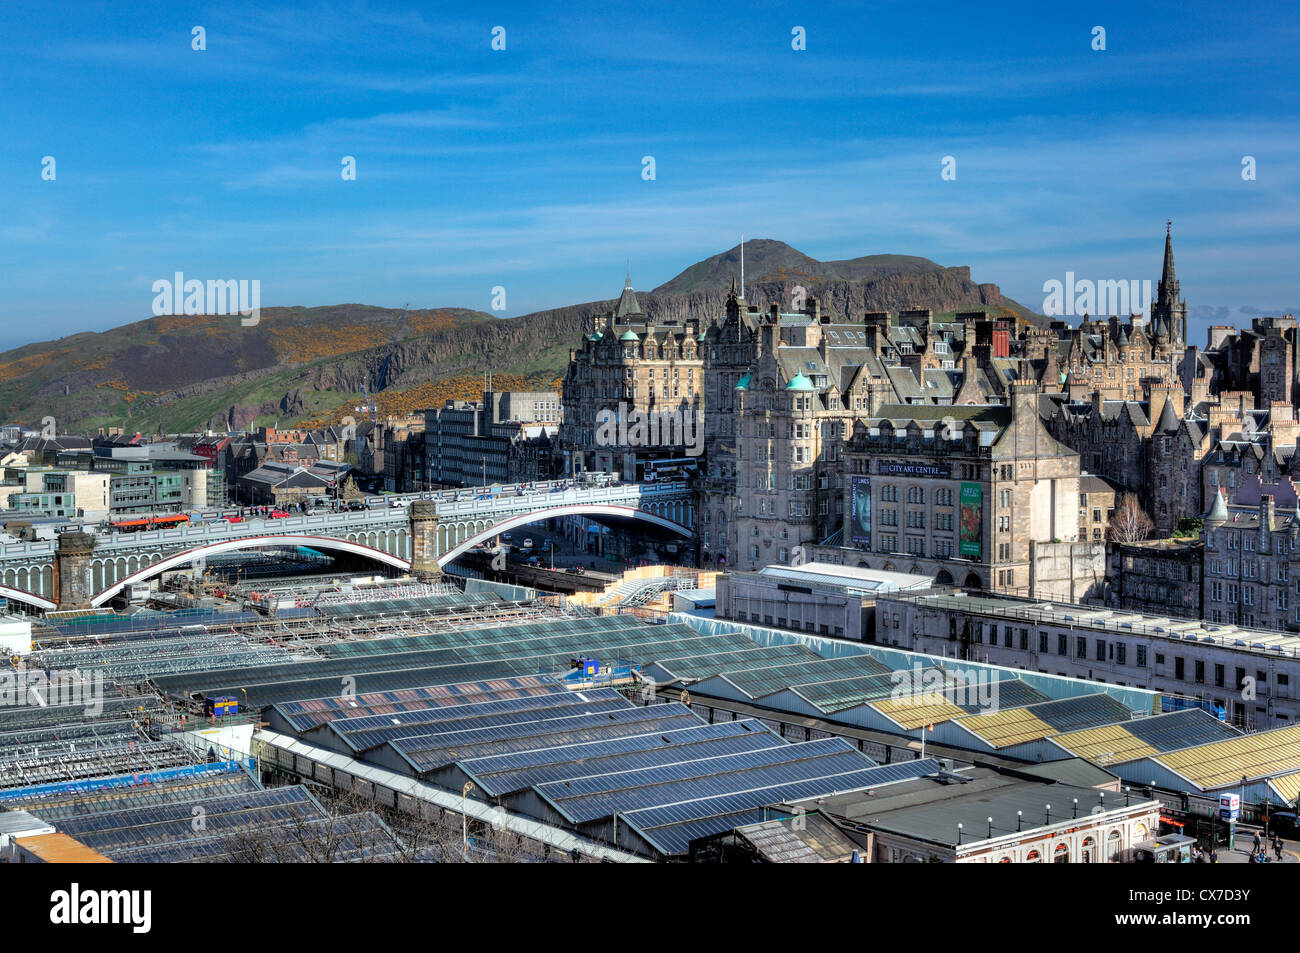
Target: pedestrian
1256, 849
1214, 854
1277, 847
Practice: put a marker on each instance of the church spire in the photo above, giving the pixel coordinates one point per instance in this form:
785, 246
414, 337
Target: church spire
1169, 316
1167, 278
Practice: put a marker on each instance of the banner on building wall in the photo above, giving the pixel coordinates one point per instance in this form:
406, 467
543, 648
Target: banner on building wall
860, 514
972, 520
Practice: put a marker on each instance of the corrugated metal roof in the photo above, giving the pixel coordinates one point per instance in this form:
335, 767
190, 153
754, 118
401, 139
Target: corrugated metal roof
1015, 726
914, 711
1110, 744
1226, 762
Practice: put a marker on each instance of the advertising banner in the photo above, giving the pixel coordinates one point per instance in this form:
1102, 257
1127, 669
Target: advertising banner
972, 520
860, 512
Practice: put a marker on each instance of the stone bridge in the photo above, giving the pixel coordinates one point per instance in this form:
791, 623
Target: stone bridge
421, 534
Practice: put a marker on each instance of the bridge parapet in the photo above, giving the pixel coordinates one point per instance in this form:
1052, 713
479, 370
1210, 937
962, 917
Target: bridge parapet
85, 568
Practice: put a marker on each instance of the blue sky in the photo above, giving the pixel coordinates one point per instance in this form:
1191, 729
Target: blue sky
522, 168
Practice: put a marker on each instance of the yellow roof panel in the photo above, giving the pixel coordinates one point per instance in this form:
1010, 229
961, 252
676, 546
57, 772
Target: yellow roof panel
1106, 744
917, 711
1012, 726
1225, 762
1288, 786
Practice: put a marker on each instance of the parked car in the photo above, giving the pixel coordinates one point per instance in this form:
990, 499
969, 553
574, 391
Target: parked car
528, 543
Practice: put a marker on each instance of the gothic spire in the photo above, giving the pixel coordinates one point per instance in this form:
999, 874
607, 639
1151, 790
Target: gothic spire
1167, 278
1169, 316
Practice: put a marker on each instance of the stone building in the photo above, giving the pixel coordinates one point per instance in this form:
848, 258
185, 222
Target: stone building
959, 493
1252, 565
1110, 436
1156, 576
634, 394
1260, 359
1114, 356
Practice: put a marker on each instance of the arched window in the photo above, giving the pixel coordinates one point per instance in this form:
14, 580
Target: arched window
1113, 845
1033, 857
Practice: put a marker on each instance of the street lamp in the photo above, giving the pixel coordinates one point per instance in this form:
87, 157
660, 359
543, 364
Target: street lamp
464, 818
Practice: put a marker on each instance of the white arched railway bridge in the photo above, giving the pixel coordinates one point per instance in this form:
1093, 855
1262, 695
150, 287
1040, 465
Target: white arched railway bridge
82, 570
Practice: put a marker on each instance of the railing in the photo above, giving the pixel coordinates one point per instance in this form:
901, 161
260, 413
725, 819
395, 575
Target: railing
1105, 618
506, 500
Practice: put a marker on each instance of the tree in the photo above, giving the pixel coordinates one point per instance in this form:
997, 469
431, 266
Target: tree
1130, 523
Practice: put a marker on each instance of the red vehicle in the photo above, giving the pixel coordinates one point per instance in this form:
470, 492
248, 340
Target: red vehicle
150, 522
278, 514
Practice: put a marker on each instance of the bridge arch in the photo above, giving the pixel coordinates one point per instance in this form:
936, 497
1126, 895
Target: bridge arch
464, 539
30, 598
248, 542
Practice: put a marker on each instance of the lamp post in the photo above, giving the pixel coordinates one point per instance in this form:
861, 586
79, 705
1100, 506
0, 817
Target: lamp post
990, 828
1020, 816
464, 818
1049, 814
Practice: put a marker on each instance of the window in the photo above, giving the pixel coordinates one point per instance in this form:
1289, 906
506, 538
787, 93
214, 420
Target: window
1081, 647
1141, 656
